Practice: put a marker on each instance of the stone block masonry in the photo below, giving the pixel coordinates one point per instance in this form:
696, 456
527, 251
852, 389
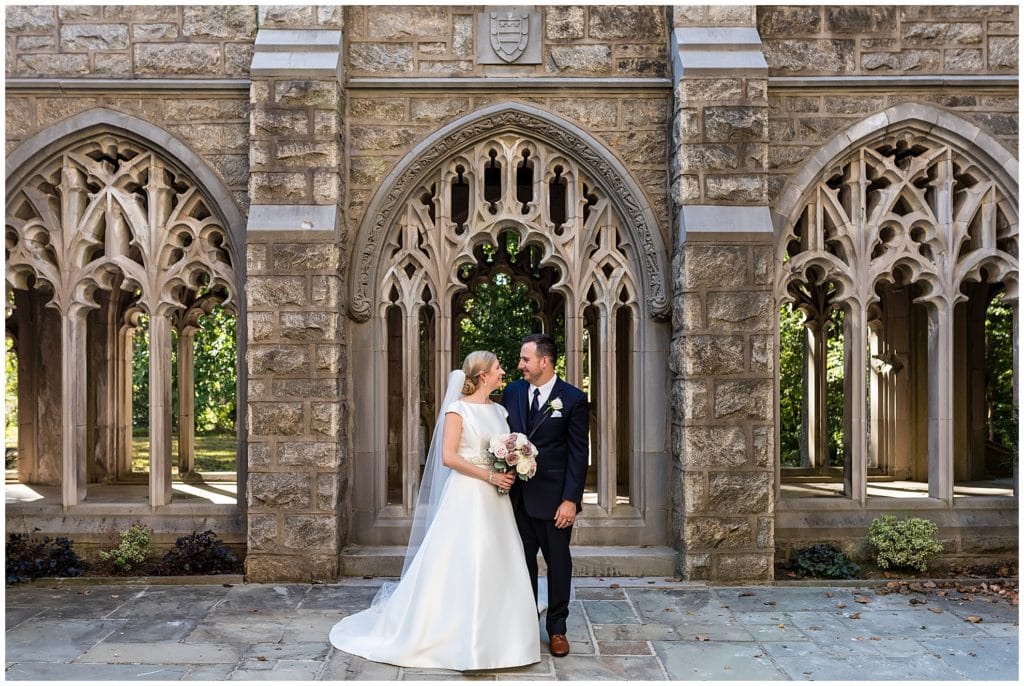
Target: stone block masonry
296, 344
723, 314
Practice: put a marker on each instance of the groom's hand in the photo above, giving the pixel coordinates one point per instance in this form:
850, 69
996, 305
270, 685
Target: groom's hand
565, 515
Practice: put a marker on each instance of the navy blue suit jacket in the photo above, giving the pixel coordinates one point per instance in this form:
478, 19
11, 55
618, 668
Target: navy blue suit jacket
562, 447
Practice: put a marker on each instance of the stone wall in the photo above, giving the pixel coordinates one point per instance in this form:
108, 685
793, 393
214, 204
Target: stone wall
133, 41
442, 41
828, 40
815, 41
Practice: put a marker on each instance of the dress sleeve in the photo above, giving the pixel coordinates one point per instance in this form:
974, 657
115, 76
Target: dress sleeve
504, 412
457, 408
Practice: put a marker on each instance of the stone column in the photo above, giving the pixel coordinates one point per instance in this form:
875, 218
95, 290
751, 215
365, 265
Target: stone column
294, 342
73, 407
724, 315
159, 410
186, 401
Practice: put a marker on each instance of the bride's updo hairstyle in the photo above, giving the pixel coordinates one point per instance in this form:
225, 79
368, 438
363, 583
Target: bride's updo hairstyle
477, 362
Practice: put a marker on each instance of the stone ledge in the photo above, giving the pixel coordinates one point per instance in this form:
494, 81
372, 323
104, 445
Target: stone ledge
292, 218
717, 51
296, 64
588, 561
707, 221
291, 40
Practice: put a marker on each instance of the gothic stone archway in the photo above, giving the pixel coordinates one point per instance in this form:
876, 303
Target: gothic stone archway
512, 168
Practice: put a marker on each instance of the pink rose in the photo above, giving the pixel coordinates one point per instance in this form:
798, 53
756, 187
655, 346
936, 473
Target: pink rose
512, 457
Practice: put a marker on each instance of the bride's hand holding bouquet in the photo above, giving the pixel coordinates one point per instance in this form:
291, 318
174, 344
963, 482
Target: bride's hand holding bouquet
513, 451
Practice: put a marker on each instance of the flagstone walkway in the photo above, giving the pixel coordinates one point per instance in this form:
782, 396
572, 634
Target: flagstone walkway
620, 629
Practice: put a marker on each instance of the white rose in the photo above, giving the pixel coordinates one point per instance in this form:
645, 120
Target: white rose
524, 466
521, 440
556, 404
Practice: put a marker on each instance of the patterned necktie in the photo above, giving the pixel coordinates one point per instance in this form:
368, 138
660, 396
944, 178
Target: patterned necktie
535, 405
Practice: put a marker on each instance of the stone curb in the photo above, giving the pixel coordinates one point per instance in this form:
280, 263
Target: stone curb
197, 580
239, 579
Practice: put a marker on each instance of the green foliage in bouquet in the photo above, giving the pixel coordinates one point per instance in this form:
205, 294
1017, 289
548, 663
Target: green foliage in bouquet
906, 543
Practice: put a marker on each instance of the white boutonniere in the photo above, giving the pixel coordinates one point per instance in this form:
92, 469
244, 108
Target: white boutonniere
554, 406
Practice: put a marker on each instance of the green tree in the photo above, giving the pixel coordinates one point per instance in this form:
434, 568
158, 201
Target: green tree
497, 317
1001, 411
792, 358
216, 375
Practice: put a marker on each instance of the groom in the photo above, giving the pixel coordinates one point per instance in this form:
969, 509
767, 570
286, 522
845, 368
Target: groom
555, 417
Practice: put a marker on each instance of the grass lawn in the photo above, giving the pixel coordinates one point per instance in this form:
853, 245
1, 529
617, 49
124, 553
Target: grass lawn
214, 453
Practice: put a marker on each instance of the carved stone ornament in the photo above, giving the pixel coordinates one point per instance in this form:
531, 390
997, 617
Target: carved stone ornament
506, 129
108, 209
906, 202
510, 32
508, 35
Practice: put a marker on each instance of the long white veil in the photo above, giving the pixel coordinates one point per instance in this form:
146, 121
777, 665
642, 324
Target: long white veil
435, 476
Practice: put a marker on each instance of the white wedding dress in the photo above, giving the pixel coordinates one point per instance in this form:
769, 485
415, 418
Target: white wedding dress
465, 601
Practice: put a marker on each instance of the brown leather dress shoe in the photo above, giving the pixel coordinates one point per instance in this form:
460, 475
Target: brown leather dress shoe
559, 645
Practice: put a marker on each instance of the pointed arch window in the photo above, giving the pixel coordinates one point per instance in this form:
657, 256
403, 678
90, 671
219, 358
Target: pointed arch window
888, 271
103, 232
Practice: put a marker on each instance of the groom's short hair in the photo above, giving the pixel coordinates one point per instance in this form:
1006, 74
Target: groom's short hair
545, 345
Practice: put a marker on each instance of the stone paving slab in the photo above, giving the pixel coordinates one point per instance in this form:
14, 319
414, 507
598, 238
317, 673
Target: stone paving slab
619, 629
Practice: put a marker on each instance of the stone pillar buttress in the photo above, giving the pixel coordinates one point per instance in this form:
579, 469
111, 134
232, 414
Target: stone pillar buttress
294, 340
724, 316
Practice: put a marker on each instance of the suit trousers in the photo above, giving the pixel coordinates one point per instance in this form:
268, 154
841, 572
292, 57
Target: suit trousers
554, 545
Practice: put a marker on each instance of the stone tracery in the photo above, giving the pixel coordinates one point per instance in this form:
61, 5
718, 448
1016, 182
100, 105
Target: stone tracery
906, 219
110, 224
586, 273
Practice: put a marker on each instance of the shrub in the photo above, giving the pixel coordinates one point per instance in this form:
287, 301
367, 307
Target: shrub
134, 547
907, 543
823, 560
28, 557
200, 554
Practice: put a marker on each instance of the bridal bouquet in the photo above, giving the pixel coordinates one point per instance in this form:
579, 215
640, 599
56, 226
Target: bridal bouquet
514, 451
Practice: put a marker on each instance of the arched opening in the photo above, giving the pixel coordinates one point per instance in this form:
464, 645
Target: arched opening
499, 235
111, 246
910, 240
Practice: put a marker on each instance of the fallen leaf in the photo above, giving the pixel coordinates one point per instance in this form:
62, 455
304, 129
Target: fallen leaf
861, 599
614, 586
261, 658
745, 594
829, 595
814, 627
972, 654
768, 602
701, 637
782, 626
650, 582
930, 584
840, 606
367, 576
84, 592
918, 601
974, 619
874, 638
669, 609
228, 585
935, 610
854, 615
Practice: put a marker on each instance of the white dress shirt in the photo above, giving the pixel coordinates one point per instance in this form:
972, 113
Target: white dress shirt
545, 391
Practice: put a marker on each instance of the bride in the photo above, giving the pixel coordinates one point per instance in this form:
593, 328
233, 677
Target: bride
464, 600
